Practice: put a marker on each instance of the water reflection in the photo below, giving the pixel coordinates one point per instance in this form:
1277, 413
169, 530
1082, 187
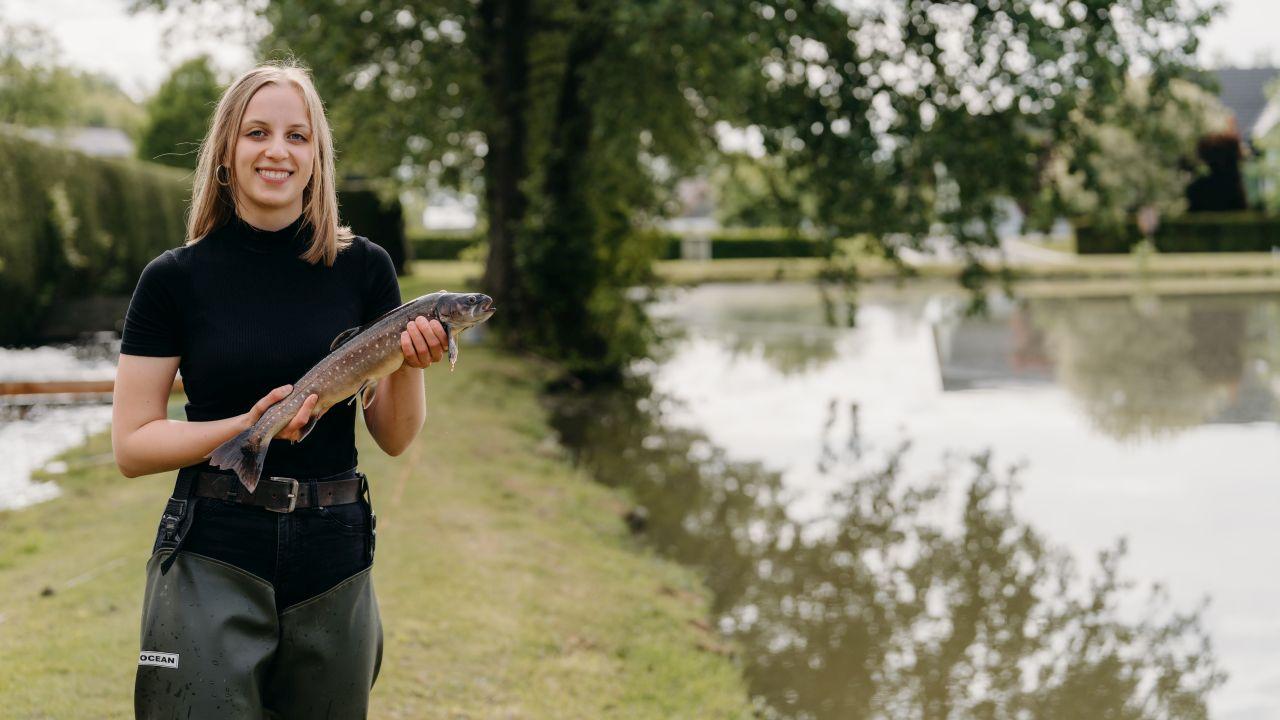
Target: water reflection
890, 606
1150, 366
34, 429
1145, 366
792, 333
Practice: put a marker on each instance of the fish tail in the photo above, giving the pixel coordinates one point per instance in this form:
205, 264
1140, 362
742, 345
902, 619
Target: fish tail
244, 455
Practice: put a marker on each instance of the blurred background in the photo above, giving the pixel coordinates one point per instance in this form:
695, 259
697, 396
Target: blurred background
940, 340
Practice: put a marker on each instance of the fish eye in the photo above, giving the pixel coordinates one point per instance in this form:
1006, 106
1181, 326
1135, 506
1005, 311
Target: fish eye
471, 299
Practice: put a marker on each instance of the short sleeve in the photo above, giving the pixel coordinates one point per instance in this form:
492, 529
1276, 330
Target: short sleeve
381, 288
153, 323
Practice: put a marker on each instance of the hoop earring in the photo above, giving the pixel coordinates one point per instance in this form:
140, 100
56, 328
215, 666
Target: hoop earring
217, 176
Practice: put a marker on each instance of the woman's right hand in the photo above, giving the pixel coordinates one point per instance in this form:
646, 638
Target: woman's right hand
293, 430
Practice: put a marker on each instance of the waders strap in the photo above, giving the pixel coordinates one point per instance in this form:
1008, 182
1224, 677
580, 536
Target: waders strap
179, 513
373, 516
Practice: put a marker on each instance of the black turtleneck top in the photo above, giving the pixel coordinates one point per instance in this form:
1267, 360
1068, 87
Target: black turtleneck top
245, 314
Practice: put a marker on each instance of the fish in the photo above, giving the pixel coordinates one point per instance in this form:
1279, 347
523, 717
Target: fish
357, 359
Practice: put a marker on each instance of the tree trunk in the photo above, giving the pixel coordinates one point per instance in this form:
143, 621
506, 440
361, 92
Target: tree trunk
567, 262
505, 55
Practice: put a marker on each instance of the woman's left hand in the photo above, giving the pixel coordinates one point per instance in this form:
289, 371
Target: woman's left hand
423, 342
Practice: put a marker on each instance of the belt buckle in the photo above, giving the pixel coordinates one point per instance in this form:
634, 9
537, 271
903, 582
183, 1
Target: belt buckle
292, 494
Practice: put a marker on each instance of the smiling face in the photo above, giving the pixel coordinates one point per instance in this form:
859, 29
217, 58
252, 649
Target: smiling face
273, 157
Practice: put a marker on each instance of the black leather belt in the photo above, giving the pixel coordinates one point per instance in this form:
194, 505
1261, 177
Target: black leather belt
282, 494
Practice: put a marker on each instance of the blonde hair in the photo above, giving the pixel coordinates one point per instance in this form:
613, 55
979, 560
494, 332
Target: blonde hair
213, 203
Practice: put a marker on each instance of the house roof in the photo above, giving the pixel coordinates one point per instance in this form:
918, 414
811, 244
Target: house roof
1243, 91
99, 141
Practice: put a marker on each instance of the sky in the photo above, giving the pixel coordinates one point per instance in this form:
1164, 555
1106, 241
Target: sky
100, 35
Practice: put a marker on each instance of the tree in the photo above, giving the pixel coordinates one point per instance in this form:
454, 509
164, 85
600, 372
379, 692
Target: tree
1264, 168
566, 116
34, 88
1138, 151
101, 103
37, 90
178, 114
574, 116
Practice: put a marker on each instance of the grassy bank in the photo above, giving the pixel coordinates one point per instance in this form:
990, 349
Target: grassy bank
1091, 268
1103, 272
508, 584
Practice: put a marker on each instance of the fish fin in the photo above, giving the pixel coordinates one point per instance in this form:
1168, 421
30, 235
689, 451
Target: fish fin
364, 394
453, 345
356, 395
390, 312
306, 429
242, 456
344, 336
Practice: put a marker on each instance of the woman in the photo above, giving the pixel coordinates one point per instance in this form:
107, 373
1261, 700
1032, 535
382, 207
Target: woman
256, 607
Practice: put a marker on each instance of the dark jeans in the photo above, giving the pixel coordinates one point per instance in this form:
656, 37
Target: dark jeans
302, 553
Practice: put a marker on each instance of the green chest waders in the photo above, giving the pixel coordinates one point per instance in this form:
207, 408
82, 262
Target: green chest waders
214, 644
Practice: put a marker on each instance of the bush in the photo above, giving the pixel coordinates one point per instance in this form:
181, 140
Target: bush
442, 245
764, 243
75, 225
731, 243
382, 221
753, 243
1197, 232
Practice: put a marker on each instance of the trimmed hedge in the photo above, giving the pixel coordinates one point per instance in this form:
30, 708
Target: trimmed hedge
753, 243
360, 206
73, 225
436, 245
764, 243
1192, 233
725, 244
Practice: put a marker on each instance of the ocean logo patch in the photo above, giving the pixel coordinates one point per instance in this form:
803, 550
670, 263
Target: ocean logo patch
159, 659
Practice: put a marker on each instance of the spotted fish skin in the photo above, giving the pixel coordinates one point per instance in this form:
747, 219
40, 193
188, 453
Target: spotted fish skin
357, 359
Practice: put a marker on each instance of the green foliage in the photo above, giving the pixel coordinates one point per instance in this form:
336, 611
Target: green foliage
917, 117
377, 216
756, 192
75, 226
746, 244
429, 245
1197, 233
767, 242
101, 103
178, 114
575, 118
34, 89
1135, 152
1265, 167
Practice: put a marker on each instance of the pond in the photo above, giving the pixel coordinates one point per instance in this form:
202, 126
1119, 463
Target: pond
1061, 508
34, 429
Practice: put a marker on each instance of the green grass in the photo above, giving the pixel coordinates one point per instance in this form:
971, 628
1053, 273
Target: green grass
428, 276
1085, 273
1080, 269
508, 585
